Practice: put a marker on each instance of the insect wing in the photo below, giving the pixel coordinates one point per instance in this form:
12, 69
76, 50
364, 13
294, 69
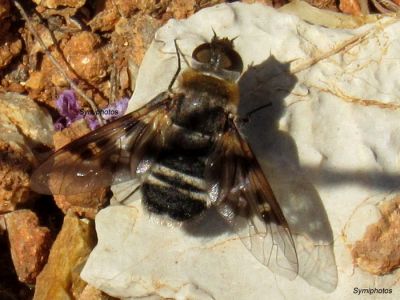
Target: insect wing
103, 157
245, 199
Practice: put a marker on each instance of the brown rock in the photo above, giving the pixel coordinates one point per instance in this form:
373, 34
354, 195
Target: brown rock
86, 56
3, 227
53, 77
10, 286
36, 81
151, 7
83, 204
4, 9
181, 9
108, 13
23, 126
351, 7
15, 166
379, 250
131, 39
29, 244
10, 47
57, 3
133, 36
87, 61
126, 7
60, 277
386, 7
106, 16
76, 130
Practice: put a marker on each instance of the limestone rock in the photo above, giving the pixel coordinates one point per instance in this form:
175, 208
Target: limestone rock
29, 242
31, 120
60, 277
329, 142
24, 126
91, 293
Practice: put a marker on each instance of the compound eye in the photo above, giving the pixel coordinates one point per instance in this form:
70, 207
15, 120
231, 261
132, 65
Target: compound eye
202, 53
225, 62
233, 61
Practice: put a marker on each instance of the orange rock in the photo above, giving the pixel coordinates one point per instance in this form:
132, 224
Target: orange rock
351, 7
10, 47
182, 9
35, 81
21, 120
76, 130
379, 250
86, 56
84, 204
126, 7
14, 176
106, 16
29, 244
60, 277
57, 3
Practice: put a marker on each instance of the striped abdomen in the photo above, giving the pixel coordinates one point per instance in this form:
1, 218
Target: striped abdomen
175, 185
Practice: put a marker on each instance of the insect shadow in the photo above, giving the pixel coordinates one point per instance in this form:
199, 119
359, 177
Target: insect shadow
269, 83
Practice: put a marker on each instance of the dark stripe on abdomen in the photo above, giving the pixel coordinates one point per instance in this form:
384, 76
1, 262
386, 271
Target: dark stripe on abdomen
175, 185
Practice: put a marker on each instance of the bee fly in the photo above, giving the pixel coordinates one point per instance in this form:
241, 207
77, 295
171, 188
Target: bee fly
185, 148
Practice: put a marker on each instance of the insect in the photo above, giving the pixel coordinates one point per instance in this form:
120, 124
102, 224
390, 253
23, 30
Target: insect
185, 148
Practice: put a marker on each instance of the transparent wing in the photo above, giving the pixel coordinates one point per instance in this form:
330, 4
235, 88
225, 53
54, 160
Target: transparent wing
243, 196
105, 156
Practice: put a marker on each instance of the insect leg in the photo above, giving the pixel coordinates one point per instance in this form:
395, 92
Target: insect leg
246, 118
179, 66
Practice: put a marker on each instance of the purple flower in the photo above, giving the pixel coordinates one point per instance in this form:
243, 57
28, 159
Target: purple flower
120, 106
70, 111
92, 121
68, 107
109, 114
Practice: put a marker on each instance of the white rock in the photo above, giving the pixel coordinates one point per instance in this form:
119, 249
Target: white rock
330, 141
32, 121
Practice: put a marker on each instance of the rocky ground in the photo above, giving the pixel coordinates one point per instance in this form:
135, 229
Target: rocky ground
99, 45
